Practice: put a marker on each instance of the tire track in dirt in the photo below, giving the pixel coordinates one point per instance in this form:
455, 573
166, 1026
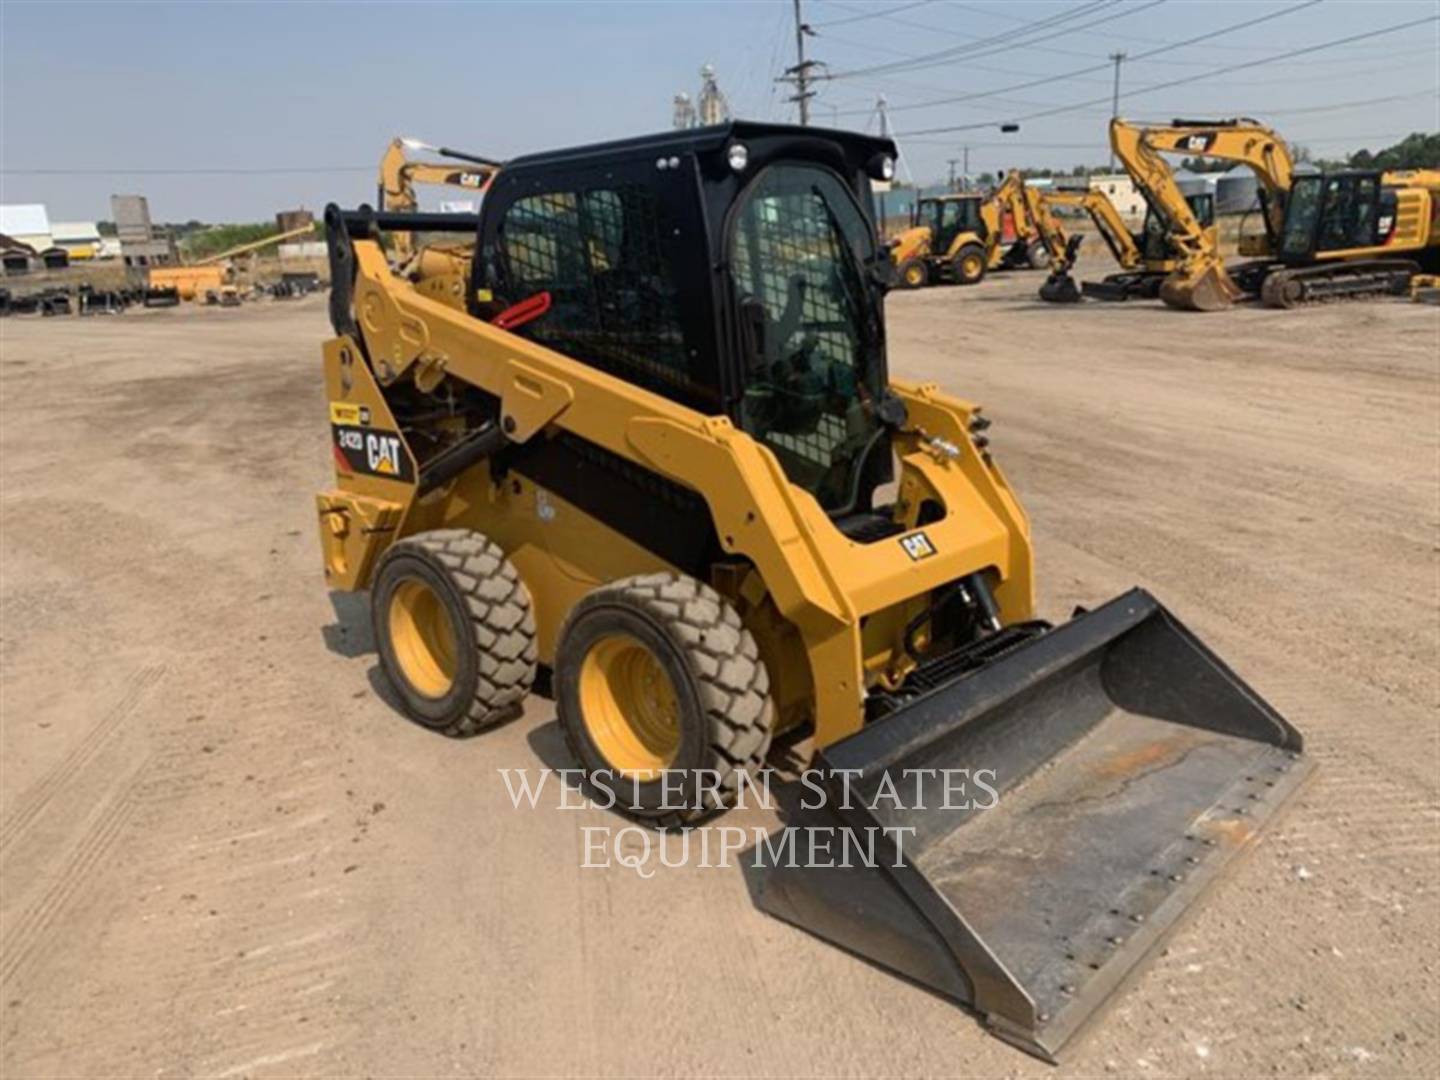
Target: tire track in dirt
26, 939
34, 801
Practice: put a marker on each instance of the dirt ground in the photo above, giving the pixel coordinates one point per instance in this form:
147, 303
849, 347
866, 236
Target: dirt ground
226, 853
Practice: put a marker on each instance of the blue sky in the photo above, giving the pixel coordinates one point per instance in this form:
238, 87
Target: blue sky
97, 89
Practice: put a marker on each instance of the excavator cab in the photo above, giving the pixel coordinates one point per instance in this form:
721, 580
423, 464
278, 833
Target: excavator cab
1333, 212
1155, 244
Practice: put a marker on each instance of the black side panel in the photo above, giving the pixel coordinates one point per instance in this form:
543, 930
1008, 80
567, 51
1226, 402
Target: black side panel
671, 521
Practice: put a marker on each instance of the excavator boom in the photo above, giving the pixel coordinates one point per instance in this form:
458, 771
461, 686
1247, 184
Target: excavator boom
1201, 282
1241, 142
399, 175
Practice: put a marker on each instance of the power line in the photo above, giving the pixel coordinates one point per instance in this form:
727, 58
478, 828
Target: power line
870, 14
1334, 106
1109, 34
1005, 41
1100, 146
933, 29
1186, 79
1045, 80
1330, 64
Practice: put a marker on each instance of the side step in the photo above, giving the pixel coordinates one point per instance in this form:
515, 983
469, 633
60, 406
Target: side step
1132, 767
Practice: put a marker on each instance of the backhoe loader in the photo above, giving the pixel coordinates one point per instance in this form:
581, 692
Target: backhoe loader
958, 238
658, 453
1328, 235
1146, 258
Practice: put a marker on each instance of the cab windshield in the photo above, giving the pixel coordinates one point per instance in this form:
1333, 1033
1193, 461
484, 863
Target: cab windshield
801, 258
945, 218
1156, 232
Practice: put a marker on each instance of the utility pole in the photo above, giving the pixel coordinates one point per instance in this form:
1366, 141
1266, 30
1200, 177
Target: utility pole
965, 172
799, 75
1117, 58
952, 162
884, 134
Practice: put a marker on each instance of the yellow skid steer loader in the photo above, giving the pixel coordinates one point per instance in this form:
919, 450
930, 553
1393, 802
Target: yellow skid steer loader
657, 450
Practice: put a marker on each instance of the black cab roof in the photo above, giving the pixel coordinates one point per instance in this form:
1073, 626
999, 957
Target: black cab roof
859, 150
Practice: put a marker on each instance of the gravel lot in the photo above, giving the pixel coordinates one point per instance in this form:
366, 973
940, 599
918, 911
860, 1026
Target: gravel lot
224, 852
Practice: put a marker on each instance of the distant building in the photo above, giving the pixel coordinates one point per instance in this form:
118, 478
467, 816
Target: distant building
711, 107
141, 242
290, 220
684, 115
27, 224
303, 249
1120, 190
1237, 191
16, 257
79, 239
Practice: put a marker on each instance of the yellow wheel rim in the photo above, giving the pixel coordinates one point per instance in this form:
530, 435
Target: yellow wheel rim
912, 276
629, 707
423, 638
970, 266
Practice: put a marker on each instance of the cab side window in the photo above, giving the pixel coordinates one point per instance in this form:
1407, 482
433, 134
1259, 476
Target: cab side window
614, 301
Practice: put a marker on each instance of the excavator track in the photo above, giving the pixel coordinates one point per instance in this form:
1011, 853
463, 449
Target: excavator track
1343, 281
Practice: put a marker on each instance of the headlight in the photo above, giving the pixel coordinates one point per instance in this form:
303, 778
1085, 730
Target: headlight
738, 156
887, 168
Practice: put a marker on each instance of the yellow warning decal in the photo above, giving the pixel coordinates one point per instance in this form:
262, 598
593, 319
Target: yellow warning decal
342, 412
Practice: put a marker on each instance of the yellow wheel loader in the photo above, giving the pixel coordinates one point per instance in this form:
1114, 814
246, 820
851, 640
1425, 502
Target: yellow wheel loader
659, 454
957, 239
1328, 236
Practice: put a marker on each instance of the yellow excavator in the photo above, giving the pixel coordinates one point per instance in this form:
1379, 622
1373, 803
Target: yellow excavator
958, 238
399, 174
656, 449
1146, 258
1347, 234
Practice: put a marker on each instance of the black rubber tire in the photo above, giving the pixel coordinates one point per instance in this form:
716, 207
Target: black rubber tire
912, 268
721, 685
964, 255
490, 616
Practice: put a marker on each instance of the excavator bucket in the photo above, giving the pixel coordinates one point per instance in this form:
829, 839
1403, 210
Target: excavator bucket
1129, 767
1060, 288
1209, 289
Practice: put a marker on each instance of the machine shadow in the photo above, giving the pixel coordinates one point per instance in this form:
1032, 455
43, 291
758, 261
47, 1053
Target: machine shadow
351, 634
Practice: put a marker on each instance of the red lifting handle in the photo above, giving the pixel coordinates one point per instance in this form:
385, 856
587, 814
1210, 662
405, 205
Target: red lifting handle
527, 310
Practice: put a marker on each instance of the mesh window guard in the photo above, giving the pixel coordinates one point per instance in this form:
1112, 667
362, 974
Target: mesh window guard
598, 253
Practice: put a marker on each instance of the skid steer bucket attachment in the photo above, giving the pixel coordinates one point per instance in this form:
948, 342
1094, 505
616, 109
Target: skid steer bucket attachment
1130, 766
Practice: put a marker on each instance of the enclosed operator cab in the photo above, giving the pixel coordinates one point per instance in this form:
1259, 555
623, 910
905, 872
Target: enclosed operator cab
1331, 213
